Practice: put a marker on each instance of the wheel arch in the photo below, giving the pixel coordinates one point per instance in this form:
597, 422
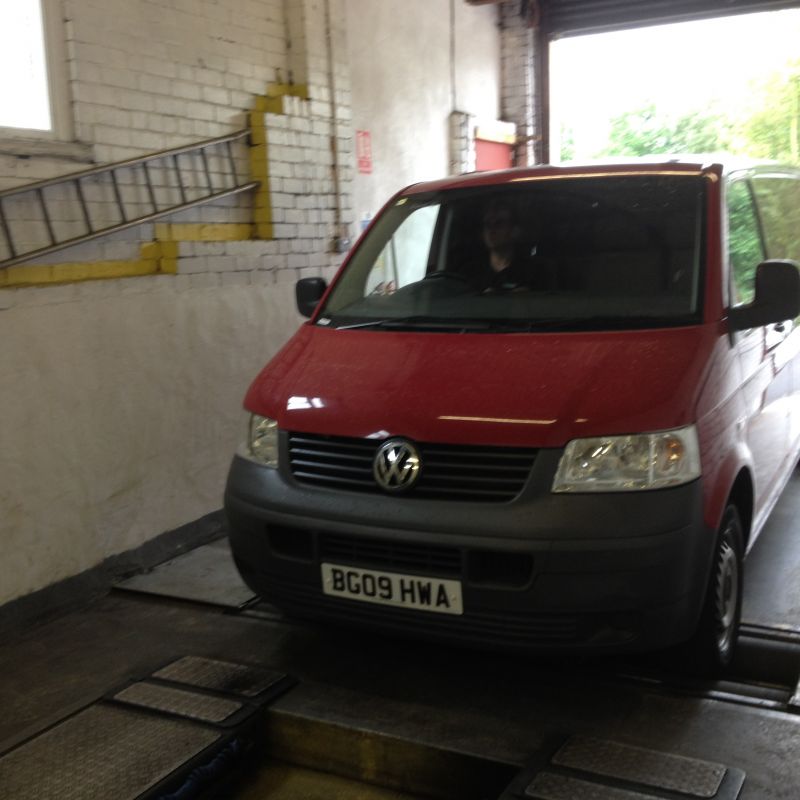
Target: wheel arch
741, 495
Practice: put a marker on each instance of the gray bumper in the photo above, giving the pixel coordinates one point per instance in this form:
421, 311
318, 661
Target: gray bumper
621, 571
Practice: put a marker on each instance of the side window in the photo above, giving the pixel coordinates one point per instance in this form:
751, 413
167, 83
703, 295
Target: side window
745, 250
778, 199
404, 259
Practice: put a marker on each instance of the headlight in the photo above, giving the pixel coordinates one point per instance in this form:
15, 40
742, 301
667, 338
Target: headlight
262, 441
628, 463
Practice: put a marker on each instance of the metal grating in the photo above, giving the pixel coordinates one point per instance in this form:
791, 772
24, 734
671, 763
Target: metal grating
219, 676
451, 472
638, 765
101, 753
179, 701
548, 786
397, 555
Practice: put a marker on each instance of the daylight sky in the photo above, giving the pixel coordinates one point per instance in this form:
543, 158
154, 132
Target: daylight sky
24, 101
679, 67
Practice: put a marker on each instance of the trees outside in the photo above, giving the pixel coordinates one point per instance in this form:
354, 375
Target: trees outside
769, 127
645, 132
771, 131
567, 143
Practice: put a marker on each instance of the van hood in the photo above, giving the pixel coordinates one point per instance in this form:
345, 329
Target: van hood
527, 389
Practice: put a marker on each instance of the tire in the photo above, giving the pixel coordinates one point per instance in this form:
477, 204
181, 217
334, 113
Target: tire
712, 646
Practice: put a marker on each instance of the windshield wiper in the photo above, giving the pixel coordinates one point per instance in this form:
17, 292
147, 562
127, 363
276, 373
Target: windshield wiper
442, 324
419, 322
584, 323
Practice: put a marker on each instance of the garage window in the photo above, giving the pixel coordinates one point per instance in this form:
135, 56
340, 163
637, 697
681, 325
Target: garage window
744, 241
778, 198
33, 103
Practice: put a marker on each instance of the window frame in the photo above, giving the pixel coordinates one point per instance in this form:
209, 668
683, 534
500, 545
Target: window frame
744, 179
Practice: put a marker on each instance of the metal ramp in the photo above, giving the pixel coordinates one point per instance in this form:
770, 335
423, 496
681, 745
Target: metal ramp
170, 735
585, 768
103, 200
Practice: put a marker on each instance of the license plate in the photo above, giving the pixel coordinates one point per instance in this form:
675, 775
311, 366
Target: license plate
392, 589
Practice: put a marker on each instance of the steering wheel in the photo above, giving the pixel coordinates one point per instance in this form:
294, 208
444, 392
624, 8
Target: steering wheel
446, 275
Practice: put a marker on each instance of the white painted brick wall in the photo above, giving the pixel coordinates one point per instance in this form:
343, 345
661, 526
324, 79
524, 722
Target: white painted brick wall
462, 143
518, 86
148, 75
152, 74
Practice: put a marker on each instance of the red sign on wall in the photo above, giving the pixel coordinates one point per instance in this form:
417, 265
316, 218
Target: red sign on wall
364, 152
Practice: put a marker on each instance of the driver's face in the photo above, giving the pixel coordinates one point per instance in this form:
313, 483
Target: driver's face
498, 229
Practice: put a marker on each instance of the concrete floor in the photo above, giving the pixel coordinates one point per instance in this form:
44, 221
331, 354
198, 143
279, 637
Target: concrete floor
496, 706
772, 568
500, 708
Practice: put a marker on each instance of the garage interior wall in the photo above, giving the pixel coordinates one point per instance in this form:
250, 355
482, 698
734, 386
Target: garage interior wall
407, 72
121, 398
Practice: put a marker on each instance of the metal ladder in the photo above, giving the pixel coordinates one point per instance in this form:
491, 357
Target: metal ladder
183, 176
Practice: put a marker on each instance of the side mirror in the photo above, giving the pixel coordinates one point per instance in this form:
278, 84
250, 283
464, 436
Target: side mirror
777, 296
308, 292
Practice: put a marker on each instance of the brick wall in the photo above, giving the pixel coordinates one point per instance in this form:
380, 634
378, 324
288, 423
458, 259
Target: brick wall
152, 74
121, 397
140, 380
155, 74
518, 86
462, 142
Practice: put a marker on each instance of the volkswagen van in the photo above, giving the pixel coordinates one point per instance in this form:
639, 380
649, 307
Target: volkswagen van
575, 454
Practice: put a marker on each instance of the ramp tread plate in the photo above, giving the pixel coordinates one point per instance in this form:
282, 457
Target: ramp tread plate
639, 765
206, 574
219, 676
549, 786
182, 702
101, 752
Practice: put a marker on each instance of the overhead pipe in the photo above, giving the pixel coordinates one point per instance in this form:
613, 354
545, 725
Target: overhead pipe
341, 241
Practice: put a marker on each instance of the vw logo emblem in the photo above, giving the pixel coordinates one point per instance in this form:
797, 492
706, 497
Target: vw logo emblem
396, 466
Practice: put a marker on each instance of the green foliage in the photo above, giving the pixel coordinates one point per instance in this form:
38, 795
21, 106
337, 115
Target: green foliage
744, 241
567, 144
645, 132
769, 128
779, 205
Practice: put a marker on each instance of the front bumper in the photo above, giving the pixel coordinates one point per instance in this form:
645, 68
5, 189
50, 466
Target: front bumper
606, 572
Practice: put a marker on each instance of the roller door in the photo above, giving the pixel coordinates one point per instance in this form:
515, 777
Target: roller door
569, 17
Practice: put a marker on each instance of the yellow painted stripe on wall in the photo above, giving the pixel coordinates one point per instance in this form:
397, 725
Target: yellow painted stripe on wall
46, 274
264, 230
294, 89
271, 102
167, 232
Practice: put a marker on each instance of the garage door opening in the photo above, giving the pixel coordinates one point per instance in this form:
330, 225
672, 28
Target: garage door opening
730, 84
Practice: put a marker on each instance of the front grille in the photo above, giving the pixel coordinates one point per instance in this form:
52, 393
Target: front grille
448, 472
484, 626
392, 555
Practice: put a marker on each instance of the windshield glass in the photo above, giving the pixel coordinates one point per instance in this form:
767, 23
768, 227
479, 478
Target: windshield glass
564, 254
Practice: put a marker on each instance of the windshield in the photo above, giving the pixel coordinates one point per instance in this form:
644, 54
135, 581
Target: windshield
566, 253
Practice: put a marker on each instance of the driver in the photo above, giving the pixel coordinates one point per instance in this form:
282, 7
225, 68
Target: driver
508, 266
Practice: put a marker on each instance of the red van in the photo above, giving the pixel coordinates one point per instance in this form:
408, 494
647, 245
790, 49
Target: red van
543, 408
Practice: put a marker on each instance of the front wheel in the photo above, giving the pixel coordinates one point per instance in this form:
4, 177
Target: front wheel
714, 641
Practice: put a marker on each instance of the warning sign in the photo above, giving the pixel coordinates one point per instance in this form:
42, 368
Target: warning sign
364, 152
